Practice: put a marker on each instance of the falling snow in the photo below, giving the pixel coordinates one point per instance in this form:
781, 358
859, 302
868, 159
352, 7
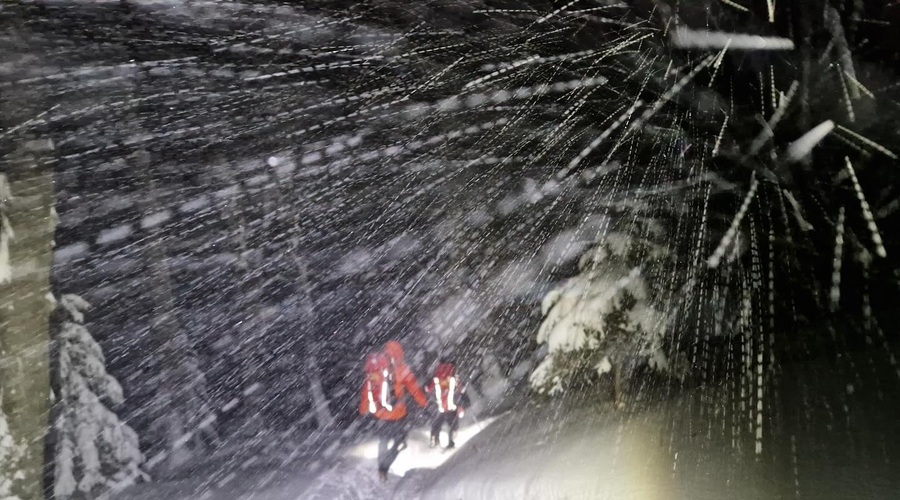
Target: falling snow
656, 238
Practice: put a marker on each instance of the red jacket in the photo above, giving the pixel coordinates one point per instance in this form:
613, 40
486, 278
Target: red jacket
404, 381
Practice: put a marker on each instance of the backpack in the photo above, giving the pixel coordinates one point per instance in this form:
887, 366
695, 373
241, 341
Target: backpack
379, 385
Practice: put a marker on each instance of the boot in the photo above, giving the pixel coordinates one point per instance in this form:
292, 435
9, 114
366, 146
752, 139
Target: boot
382, 475
434, 441
451, 444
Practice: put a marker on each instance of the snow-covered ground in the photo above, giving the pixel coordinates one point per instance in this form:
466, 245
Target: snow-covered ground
350, 479
418, 454
825, 445
532, 453
587, 453
350, 475
823, 439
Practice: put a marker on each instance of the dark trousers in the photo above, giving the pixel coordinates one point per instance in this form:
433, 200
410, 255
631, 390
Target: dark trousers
391, 439
448, 417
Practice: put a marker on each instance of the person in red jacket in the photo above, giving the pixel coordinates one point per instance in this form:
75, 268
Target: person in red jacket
449, 396
388, 380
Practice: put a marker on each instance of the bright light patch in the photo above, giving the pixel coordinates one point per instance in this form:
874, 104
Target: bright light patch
418, 454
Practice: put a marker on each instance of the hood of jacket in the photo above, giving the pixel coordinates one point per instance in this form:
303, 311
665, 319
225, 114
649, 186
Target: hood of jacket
393, 349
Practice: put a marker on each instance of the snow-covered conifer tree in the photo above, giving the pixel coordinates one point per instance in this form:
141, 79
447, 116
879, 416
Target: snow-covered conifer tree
94, 449
10, 453
605, 319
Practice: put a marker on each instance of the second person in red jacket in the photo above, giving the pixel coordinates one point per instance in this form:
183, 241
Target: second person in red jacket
450, 398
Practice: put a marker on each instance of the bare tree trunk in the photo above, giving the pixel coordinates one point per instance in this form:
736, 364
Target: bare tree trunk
247, 350
182, 408
319, 400
25, 312
324, 418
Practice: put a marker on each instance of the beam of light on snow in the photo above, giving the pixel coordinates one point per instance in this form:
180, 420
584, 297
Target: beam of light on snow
557, 11
726, 241
832, 19
735, 5
534, 59
769, 130
715, 150
718, 62
866, 211
835, 294
418, 454
800, 148
686, 38
869, 142
602, 137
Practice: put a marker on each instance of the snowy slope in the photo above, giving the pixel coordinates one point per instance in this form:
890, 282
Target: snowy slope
583, 454
418, 454
819, 444
349, 476
346, 480
824, 445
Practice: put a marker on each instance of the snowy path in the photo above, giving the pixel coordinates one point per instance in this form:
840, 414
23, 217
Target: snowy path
542, 454
592, 454
534, 454
676, 449
351, 477
418, 454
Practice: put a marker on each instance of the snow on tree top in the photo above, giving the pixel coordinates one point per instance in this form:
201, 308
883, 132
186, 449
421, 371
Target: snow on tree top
574, 314
75, 306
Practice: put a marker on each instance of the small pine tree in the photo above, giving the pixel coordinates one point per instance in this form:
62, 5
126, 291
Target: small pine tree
95, 451
604, 318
